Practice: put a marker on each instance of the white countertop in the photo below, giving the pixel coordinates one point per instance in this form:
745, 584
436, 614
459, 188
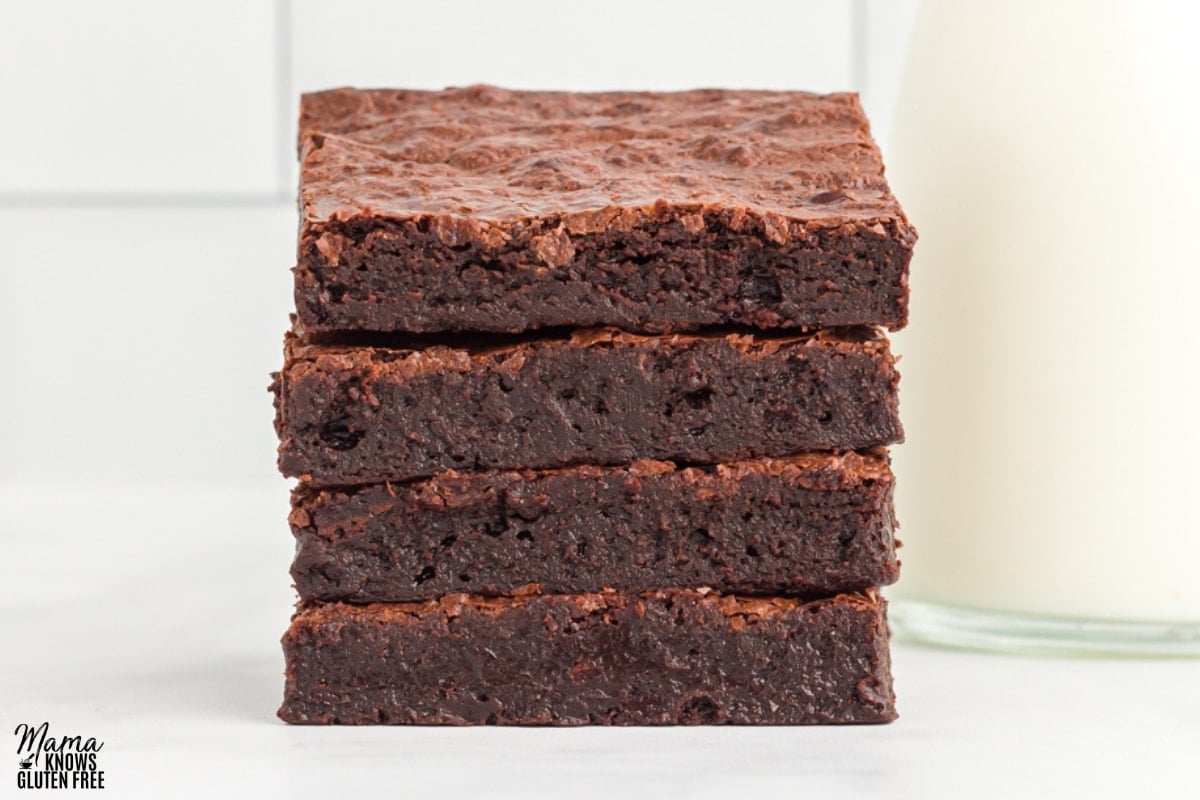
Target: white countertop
150, 620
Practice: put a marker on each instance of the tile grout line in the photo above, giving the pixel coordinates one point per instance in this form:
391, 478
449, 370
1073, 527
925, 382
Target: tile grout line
147, 200
283, 96
858, 45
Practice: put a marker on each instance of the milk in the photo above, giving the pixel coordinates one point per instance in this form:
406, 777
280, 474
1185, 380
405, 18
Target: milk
1048, 155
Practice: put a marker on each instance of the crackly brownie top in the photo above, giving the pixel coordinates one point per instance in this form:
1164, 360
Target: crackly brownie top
493, 157
736, 607
817, 471
303, 357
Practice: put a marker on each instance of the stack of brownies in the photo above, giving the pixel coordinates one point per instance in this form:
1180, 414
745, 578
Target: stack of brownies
588, 399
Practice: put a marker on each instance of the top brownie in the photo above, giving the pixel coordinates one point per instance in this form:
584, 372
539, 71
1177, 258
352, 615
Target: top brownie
481, 209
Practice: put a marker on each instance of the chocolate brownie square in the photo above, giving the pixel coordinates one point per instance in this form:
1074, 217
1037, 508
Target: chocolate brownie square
809, 524
490, 210
657, 658
354, 415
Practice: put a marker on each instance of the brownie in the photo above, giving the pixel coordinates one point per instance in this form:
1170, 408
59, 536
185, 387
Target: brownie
354, 415
817, 523
667, 657
490, 210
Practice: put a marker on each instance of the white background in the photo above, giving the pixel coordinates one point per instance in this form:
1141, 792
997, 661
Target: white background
147, 225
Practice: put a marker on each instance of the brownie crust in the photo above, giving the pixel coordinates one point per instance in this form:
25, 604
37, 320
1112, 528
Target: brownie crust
357, 415
668, 657
490, 210
819, 523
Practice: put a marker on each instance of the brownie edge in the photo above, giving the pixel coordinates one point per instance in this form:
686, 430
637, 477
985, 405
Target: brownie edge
659, 658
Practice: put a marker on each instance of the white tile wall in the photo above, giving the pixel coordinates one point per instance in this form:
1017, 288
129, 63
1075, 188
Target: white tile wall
618, 44
137, 343
137, 97
137, 337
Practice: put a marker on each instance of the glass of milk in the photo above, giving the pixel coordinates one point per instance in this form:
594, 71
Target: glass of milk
1049, 492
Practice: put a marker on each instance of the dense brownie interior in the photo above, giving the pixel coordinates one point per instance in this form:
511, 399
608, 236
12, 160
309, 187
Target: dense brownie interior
674, 657
817, 523
352, 415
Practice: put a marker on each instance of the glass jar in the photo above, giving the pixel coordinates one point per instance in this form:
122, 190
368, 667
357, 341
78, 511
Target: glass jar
1049, 155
